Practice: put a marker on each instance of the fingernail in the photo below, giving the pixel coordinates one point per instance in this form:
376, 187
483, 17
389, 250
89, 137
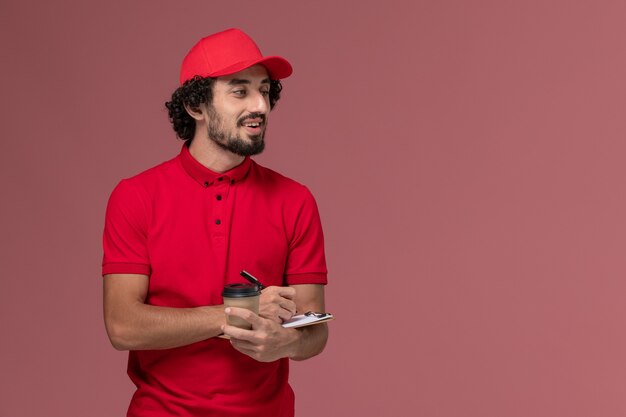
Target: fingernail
227, 310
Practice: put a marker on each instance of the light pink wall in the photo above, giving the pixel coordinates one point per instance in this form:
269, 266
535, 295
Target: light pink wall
467, 158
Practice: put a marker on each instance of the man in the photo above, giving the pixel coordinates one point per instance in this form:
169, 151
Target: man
175, 234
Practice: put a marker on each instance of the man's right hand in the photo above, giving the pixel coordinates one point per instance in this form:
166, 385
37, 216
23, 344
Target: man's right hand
277, 304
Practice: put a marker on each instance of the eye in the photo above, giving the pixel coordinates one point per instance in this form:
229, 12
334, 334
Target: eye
265, 93
240, 92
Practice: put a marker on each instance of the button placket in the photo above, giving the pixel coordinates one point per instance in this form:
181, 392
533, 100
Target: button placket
227, 205
220, 194
216, 224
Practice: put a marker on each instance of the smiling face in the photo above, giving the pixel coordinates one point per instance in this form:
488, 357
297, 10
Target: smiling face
237, 118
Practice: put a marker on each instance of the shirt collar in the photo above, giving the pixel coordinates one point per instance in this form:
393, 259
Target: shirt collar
204, 176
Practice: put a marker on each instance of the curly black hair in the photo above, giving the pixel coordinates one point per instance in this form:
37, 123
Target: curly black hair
194, 92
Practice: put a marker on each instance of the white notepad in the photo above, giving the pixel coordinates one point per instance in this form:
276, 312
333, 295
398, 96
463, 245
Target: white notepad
302, 320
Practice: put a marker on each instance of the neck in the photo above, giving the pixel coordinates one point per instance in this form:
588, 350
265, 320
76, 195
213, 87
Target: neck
210, 155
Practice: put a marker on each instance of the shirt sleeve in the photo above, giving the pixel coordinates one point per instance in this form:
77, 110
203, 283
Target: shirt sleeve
306, 261
125, 232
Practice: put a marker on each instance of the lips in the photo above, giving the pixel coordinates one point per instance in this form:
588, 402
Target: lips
253, 123
252, 120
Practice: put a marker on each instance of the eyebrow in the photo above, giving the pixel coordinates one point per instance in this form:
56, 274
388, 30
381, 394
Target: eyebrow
239, 81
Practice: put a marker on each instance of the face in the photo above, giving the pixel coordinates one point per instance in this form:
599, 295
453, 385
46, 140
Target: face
237, 118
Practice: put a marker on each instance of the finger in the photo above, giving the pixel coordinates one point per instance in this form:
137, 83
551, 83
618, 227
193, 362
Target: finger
288, 305
249, 352
272, 317
244, 334
284, 315
283, 296
285, 292
245, 314
236, 333
243, 345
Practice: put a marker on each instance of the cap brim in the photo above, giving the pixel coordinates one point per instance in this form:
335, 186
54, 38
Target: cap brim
277, 67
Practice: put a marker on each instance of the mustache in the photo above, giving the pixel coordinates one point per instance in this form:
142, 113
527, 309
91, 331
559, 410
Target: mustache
250, 116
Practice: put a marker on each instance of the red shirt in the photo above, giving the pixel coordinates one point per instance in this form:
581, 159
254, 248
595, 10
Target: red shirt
192, 230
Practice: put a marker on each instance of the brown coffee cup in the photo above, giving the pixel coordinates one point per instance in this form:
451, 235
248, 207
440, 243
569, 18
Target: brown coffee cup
242, 296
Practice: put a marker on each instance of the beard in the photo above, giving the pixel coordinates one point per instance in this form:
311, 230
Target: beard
232, 142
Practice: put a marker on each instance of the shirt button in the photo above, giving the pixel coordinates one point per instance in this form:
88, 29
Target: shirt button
220, 178
218, 222
206, 184
219, 198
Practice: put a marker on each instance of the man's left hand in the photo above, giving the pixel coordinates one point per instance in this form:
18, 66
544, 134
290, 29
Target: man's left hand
266, 342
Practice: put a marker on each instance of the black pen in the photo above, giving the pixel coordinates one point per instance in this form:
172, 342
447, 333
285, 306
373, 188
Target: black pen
252, 279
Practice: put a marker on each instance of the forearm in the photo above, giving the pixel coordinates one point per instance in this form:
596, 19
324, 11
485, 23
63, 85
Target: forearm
144, 326
310, 341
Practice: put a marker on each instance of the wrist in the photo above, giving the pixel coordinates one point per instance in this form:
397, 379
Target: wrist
215, 319
295, 343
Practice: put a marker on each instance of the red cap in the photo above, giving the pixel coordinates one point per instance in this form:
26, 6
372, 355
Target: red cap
229, 52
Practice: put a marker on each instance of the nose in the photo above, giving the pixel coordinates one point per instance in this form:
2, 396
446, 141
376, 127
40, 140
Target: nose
259, 103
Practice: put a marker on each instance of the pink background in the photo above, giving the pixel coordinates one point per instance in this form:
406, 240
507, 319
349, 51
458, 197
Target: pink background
467, 158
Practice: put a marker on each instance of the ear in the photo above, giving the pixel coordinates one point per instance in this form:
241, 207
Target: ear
197, 113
